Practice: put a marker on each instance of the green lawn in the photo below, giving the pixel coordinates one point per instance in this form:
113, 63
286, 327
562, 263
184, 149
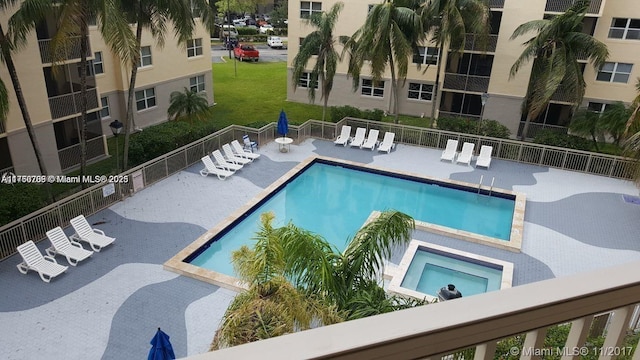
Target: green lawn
256, 94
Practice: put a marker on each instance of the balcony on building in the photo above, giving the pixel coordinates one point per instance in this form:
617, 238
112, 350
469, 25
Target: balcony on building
460, 104
560, 6
45, 32
468, 72
63, 89
474, 42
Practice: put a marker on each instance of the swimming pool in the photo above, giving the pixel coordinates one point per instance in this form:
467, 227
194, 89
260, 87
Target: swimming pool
425, 268
334, 199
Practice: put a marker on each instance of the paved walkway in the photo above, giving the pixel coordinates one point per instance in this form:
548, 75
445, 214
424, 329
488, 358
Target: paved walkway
110, 305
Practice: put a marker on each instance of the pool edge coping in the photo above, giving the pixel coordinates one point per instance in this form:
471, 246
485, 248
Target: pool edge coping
178, 265
397, 273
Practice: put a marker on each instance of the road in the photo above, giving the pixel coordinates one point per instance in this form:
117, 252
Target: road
266, 54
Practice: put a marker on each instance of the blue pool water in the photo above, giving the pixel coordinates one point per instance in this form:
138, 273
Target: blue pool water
431, 270
334, 201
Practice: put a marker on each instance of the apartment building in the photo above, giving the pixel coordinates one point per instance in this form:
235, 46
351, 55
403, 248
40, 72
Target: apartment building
467, 76
53, 97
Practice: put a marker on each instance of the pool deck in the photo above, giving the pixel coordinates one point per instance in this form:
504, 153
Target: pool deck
110, 305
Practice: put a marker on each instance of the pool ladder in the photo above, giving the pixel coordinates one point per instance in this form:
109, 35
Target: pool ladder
490, 188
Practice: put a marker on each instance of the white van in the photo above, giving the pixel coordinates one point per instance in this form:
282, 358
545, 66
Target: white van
228, 30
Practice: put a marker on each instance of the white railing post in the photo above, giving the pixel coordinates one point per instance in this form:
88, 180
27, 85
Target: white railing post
577, 336
615, 333
533, 341
485, 351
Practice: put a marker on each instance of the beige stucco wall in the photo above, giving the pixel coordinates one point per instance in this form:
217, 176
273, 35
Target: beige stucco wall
506, 94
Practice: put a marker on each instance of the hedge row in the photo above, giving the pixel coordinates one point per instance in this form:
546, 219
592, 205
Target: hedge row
340, 112
160, 139
490, 128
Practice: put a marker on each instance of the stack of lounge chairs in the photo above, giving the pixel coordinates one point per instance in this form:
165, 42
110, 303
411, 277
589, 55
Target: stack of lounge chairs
224, 165
47, 266
364, 141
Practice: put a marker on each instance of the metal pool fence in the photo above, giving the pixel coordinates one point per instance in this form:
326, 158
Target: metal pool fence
100, 196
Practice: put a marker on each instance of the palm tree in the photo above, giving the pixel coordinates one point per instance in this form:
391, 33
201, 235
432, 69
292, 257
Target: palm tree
387, 38
73, 18
188, 103
614, 119
321, 43
271, 306
555, 50
632, 130
7, 46
349, 278
587, 123
451, 20
154, 16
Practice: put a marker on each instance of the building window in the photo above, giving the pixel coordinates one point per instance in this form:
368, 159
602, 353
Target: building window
194, 47
625, 29
308, 8
614, 72
305, 81
104, 112
419, 91
369, 8
426, 55
597, 107
196, 83
372, 88
195, 9
98, 67
145, 99
145, 56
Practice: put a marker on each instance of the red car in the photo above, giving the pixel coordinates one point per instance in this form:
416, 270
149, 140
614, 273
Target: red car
246, 52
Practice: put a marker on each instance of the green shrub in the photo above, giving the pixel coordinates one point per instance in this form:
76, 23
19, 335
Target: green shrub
258, 124
247, 31
490, 128
340, 112
19, 200
375, 114
554, 138
163, 138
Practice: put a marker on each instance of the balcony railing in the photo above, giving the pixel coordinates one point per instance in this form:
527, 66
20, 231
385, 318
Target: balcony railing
71, 52
71, 104
472, 42
70, 156
535, 128
562, 6
470, 327
496, 4
455, 114
466, 82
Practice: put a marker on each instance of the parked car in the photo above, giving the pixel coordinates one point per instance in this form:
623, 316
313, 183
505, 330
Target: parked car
228, 30
230, 44
275, 42
266, 28
246, 52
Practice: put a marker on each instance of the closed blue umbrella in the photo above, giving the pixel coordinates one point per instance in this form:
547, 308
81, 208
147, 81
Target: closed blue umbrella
161, 348
283, 124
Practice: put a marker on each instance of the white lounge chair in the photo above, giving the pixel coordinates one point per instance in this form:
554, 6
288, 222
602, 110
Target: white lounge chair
484, 159
221, 162
359, 138
46, 266
210, 168
94, 237
372, 140
387, 142
450, 151
248, 144
345, 134
466, 153
60, 244
232, 157
237, 148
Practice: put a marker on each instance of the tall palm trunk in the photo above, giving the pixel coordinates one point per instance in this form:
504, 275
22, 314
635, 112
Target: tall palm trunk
325, 97
525, 128
129, 122
394, 88
84, 34
11, 67
436, 87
